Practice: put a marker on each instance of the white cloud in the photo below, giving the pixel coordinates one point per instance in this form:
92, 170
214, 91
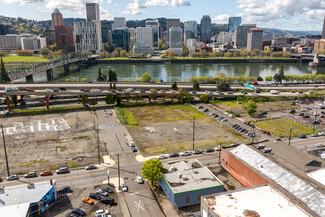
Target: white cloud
22, 2
156, 3
115, 5
222, 18
134, 7
176, 3
109, 1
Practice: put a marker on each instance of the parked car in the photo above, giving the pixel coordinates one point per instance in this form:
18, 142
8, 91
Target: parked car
30, 175
264, 113
292, 111
90, 167
306, 116
302, 110
200, 107
95, 196
62, 170
320, 145
212, 114
185, 153
218, 148
314, 135
87, 200
108, 190
321, 134
261, 146
124, 187
65, 190
84, 90
79, 212
209, 150
46, 173
205, 110
173, 155
131, 144
27, 89
102, 213
134, 149
71, 214
108, 200
63, 89
197, 151
12, 177
139, 180
162, 156
56, 90
301, 114
102, 192
302, 136
48, 90
267, 150
267, 132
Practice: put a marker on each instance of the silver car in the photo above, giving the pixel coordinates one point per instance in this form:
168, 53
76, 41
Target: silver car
185, 153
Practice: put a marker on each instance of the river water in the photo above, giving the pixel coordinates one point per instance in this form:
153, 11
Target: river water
179, 72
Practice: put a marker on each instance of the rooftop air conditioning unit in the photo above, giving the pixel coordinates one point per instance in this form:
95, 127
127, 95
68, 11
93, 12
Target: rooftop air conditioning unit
195, 171
180, 175
185, 178
172, 168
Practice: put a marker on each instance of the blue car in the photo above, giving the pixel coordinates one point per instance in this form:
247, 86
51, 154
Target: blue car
79, 212
302, 136
134, 149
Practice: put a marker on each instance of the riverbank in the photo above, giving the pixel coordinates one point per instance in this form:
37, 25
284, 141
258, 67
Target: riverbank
199, 60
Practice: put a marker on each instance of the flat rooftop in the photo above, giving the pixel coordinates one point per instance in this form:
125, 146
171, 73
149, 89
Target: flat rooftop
258, 201
294, 185
318, 175
23, 194
197, 176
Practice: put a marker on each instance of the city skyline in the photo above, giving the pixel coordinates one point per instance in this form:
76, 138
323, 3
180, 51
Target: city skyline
287, 14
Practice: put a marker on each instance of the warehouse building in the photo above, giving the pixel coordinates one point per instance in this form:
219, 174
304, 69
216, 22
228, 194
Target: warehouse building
184, 182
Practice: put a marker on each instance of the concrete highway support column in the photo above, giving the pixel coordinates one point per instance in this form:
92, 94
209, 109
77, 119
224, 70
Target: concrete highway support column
66, 69
47, 102
29, 79
79, 65
8, 103
49, 74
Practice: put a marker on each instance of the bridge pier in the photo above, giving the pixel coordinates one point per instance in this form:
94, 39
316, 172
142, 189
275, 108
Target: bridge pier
49, 74
79, 65
8, 103
47, 102
66, 69
29, 79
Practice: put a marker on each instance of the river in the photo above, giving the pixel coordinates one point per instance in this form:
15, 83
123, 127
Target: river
179, 72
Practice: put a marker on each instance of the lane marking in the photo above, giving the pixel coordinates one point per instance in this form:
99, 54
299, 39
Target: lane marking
138, 206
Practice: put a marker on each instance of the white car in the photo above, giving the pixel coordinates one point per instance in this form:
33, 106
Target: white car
162, 156
302, 110
321, 134
218, 148
231, 115
139, 179
226, 113
185, 153
48, 90
102, 213
124, 187
320, 145
102, 192
131, 144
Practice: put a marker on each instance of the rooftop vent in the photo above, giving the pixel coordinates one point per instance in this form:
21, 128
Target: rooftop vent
180, 175
185, 178
172, 168
195, 171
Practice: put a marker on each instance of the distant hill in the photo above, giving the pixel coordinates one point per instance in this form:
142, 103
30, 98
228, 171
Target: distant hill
295, 33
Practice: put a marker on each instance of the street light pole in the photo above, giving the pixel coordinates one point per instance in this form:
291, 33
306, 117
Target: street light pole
118, 171
193, 132
4, 146
314, 121
290, 136
98, 144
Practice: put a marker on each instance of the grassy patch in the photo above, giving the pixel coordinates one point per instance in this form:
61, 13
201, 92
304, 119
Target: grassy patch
72, 163
54, 166
20, 59
48, 111
81, 137
281, 127
30, 163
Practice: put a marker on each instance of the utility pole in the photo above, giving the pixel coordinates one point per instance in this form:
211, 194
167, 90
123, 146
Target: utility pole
290, 136
253, 132
98, 144
4, 146
193, 132
118, 171
314, 121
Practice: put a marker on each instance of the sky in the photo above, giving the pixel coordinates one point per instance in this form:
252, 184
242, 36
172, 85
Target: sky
297, 15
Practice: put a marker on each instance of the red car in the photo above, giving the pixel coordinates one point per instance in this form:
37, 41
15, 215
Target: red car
321, 116
267, 132
27, 89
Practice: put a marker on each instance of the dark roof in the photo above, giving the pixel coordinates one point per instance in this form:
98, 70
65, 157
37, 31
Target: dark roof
56, 11
314, 163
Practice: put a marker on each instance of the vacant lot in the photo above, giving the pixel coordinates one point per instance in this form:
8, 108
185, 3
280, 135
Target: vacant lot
49, 141
281, 127
238, 107
162, 129
21, 59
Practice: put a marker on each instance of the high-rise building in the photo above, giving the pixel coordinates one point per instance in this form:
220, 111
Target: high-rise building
57, 18
88, 36
224, 37
190, 28
280, 42
60, 34
175, 37
323, 34
92, 10
119, 23
106, 27
172, 23
255, 39
233, 23
205, 29
144, 36
154, 24
121, 38
241, 35
10, 42
32, 42
132, 37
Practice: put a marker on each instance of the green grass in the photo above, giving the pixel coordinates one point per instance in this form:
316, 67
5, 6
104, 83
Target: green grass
17, 59
48, 111
281, 127
81, 137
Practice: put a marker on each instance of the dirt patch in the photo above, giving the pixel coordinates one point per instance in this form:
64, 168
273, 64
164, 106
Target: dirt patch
36, 143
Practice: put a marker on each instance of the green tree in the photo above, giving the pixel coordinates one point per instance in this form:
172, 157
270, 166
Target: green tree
84, 100
268, 52
259, 78
174, 86
44, 51
93, 102
146, 77
189, 98
4, 77
110, 86
281, 73
251, 107
152, 170
154, 95
114, 86
196, 86
268, 78
223, 86
172, 54
127, 96
180, 95
118, 99
204, 98
109, 99
100, 76
112, 76
162, 45
228, 54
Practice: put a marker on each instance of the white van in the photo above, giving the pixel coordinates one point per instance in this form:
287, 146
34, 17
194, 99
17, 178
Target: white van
275, 92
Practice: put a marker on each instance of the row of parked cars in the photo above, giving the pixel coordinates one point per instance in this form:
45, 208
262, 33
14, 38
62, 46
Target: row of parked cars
188, 153
243, 130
